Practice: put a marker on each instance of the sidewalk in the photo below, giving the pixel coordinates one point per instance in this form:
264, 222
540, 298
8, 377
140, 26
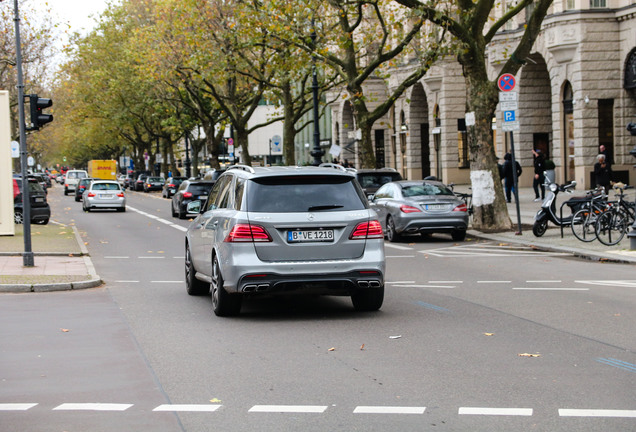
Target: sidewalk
552, 240
61, 261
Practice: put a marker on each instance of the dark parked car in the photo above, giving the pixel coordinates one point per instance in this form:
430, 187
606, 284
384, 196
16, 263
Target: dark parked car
42, 180
420, 206
154, 184
171, 186
40, 210
372, 179
81, 187
129, 181
189, 190
139, 183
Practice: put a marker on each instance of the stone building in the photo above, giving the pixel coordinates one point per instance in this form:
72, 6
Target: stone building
576, 90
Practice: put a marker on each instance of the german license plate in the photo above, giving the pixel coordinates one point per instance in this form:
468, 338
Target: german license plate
106, 196
39, 200
436, 207
299, 236
202, 197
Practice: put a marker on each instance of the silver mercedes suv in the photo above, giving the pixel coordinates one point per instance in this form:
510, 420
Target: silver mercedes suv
285, 230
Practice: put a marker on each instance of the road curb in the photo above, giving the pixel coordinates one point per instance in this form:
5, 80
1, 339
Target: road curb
37, 288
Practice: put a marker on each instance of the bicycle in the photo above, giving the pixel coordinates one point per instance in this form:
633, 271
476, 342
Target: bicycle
584, 220
466, 197
612, 225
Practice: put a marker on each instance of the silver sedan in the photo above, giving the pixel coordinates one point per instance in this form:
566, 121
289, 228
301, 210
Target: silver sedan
104, 194
421, 206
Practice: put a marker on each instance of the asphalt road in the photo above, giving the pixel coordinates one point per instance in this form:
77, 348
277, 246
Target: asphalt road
472, 336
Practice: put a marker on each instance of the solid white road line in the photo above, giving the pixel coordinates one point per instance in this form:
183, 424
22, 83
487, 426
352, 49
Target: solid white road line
186, 407
614, 283
392, 246
92, 407
401, 282
388, 410
543, 281
164, 221
596, 413
550, 289
288, 409
16, 406
495, 411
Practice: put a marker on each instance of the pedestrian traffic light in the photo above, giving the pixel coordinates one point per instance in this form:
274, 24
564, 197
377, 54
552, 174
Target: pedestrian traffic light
38, 118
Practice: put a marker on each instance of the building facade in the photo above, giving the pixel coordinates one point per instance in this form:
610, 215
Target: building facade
576, 91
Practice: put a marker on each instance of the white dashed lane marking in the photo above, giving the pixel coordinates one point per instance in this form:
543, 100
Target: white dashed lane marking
158, 219
597, 413
187, 408
16, 406
388, 410
288, 409
495, 411
92, 407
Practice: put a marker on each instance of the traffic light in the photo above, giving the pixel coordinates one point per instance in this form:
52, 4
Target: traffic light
38, 118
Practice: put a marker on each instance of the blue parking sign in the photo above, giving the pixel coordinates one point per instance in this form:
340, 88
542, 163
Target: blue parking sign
509, 116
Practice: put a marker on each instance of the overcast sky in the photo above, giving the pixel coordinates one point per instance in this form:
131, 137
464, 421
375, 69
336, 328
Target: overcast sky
76, 12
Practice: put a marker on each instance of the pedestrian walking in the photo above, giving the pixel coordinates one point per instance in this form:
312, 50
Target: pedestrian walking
509, 175
539, 176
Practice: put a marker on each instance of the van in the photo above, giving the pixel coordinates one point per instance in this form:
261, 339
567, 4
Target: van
72, 179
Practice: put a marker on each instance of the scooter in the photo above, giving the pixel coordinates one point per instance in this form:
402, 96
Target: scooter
548, 211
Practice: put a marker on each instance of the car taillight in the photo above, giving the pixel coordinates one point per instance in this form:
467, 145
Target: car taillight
367, 230
409, 209
91, 194
171, 185
120, 194
461, 207
187, 194
248, 233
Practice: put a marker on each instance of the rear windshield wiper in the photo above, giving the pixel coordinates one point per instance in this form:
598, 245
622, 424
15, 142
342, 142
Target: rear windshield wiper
324, 207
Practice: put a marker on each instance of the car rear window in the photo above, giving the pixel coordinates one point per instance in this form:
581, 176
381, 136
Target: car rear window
200, 189
425, 189
287, 194
105, 186
376, 180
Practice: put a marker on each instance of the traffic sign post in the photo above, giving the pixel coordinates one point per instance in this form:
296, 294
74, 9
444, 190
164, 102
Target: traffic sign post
508, 104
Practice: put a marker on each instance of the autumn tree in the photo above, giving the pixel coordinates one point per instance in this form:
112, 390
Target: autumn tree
474, 24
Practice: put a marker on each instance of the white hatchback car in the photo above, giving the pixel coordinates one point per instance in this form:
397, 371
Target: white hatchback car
104, 194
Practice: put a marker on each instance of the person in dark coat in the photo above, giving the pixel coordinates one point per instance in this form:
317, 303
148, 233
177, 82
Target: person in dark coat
509, 175
603, 172
539, 177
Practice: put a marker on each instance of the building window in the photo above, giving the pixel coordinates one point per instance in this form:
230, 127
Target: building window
598, 4
570, 4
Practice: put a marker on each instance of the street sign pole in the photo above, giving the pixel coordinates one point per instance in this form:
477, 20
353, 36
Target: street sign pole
508, 104
27, 257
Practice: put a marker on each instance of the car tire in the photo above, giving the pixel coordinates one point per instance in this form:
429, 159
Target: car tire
391, 233
121, 209
174, 213
18, 218
458, 235
194, 286
367, 300
182, 215
65, 191
224, 304
77, 199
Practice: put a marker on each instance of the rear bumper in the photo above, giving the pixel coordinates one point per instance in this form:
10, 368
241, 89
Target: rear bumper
243, 272
445, 224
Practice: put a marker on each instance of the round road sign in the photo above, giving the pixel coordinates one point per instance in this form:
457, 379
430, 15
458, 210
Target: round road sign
506, 82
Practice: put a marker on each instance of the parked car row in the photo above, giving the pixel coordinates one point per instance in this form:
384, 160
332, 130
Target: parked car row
40, 210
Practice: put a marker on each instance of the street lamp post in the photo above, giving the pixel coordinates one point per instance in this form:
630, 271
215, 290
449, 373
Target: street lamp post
316, 152
187, 162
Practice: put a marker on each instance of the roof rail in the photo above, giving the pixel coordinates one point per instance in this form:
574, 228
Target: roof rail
249, 169
332, 165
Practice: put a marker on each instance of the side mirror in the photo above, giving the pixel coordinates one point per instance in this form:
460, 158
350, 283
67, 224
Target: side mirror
370, 197
194, 207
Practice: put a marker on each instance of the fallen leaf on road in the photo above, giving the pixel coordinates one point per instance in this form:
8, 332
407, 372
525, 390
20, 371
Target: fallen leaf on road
86, 243
62, 232
103, 242
489, 334
395, 337
362, 347
65, 330
503, 244
529, 355
331, 349
215, 400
